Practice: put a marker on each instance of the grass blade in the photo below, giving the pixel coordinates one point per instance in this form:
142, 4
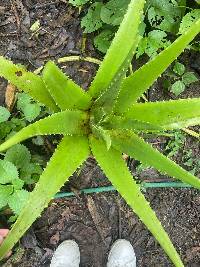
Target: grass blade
70, 154
137, 83
117, 172
66, 93
131, 144
28, 82
120, 47
66, 122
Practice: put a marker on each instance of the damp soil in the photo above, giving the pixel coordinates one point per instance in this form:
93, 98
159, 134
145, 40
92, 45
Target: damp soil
95, 221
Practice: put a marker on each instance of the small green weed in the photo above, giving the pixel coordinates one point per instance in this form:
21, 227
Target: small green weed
151, 44
176, 147
175, 144
161, 18
18, 169
29, 108
191, 162
179, 79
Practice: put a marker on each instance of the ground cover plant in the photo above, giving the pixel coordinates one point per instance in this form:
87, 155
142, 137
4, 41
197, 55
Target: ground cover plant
181, 79
162, 20
19, 168
105, 121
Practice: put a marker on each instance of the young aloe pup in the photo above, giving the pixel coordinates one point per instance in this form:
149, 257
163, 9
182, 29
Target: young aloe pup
105, 121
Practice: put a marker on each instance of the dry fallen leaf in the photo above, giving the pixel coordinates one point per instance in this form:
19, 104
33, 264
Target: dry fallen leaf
10, 96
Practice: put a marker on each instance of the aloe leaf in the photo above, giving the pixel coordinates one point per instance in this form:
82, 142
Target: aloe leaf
117, 172
137, 83
131, 144
70, 154
120, 47
174, 114
66, 93
118, 122
103, 134
67, 122
28, 82
108, 98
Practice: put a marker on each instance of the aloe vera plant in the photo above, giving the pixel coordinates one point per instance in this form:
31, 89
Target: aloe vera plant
107, 120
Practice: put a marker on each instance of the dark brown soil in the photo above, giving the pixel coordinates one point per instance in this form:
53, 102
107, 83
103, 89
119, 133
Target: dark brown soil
94, 221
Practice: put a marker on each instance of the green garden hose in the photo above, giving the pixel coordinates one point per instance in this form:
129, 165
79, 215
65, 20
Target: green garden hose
112, 189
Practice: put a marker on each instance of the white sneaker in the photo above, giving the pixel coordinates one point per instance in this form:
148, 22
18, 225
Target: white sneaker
67, 254
121, 254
